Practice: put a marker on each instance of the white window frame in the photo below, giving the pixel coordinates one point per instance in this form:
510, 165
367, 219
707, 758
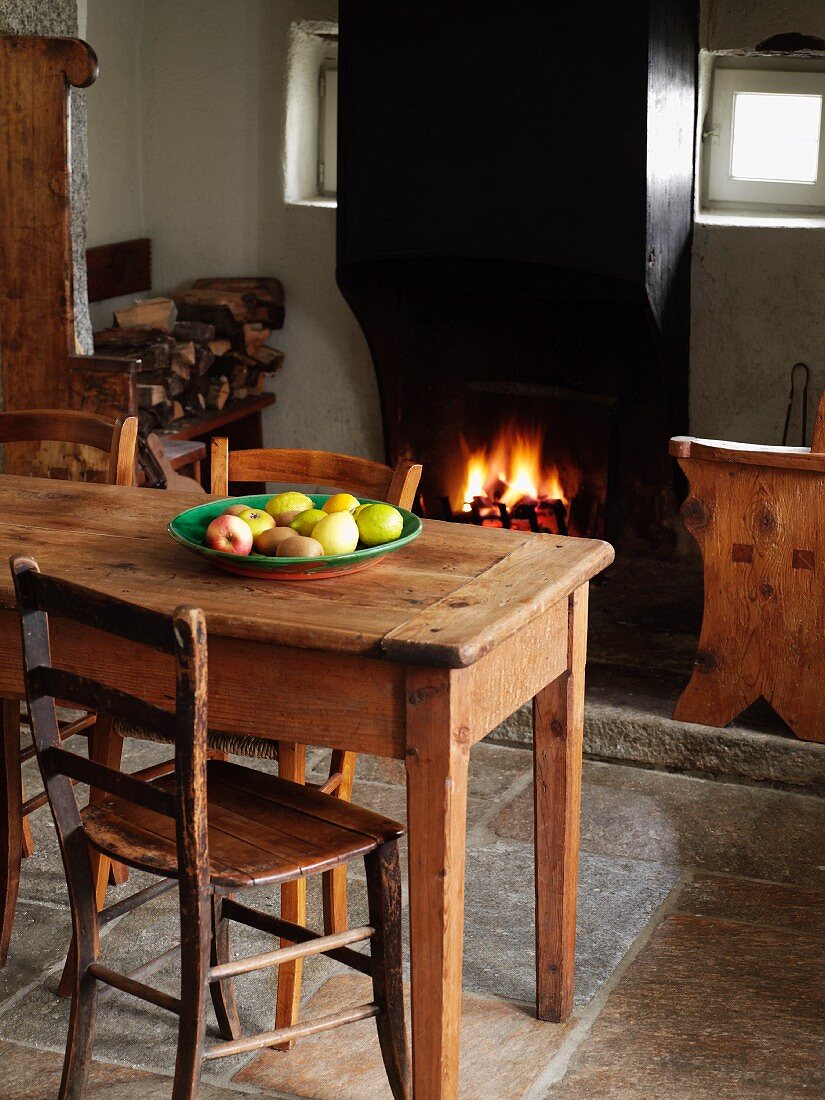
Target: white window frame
328, 129
720, 192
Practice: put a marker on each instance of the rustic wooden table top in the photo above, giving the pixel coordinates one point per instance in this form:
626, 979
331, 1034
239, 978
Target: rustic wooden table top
445, 600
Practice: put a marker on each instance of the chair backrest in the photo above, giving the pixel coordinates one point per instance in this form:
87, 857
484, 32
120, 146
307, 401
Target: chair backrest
357, 475
183, 636
117, 438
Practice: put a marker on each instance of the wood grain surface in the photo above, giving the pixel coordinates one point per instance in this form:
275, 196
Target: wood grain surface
760, 533
36, 293
447, 599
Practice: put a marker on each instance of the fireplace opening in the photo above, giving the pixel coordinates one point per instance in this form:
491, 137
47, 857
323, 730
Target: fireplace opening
527, 457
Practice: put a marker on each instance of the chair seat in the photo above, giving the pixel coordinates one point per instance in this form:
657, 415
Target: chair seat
262, 829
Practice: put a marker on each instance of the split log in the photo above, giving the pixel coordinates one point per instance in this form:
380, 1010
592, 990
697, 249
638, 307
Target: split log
269, 359
219, 316
219, 347
218, 394
197, 331
184, 353
240, 306
203, 361
267, 291
148, 313
150, 395
254, 336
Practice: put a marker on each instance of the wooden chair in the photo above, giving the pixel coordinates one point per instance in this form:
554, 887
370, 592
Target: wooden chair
363, 478
118, 439
214, 827
756, 513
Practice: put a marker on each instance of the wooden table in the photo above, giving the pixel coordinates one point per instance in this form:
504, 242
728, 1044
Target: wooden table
417, 658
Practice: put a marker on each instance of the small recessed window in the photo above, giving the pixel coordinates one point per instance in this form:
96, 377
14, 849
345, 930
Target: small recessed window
328, 129
762, 142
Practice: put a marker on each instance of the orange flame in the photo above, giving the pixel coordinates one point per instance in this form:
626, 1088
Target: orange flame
511, 469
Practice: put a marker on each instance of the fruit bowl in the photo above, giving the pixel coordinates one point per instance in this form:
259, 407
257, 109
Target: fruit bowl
188, 529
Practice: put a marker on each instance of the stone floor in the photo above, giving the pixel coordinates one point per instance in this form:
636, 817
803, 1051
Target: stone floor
700, 956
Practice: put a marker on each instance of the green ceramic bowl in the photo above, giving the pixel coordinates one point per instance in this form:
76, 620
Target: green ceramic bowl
189, 529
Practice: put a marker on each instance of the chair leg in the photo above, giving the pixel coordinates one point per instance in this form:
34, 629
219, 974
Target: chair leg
334, 882
105, 747
11, 819
78, 1060
384, 892
291, 765
27, 846
223, 993
195, 920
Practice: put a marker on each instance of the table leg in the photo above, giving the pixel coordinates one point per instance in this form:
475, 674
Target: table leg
11, 819
558, 726
292, 760
334, 882
438, 744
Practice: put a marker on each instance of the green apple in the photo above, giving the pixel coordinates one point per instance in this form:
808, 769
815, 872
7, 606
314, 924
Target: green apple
257, 520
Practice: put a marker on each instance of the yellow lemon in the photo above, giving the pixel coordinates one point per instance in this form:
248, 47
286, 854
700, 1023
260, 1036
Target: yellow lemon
356, 512
337, 533
379, 523
340, 502
305, 521
288, 502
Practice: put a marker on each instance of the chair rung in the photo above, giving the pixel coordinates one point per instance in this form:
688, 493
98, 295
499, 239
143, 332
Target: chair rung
134, 900
137, 989
319, 946
286, 1034
331, 785
70, 729
294, 933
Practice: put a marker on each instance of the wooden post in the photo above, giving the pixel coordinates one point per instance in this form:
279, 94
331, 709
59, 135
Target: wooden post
36, 296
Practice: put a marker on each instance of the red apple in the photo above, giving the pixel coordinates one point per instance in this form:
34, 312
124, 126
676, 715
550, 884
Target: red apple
235, 509
230, 534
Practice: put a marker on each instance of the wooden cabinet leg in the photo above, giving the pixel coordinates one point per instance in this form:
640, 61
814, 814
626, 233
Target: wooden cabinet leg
11, 819
291, 765
438, 742
558, 726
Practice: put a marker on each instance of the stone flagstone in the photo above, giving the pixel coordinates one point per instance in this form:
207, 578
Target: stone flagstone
504, 1051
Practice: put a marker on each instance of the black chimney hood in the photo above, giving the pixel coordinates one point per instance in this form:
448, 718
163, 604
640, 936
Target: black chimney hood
534, 159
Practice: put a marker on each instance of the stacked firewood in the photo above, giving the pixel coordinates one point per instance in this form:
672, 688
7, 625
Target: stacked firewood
198, 349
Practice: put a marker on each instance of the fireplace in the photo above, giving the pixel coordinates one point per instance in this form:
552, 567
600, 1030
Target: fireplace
523, 287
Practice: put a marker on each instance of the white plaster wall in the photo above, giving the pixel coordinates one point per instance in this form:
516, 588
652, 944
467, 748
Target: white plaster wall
758, 293
210, 87
113, 28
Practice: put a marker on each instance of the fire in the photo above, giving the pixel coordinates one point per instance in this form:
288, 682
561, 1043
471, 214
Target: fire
512, 470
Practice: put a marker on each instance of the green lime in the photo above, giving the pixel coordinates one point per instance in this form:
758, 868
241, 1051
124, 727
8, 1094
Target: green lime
305, 521
288, 502
379, 523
